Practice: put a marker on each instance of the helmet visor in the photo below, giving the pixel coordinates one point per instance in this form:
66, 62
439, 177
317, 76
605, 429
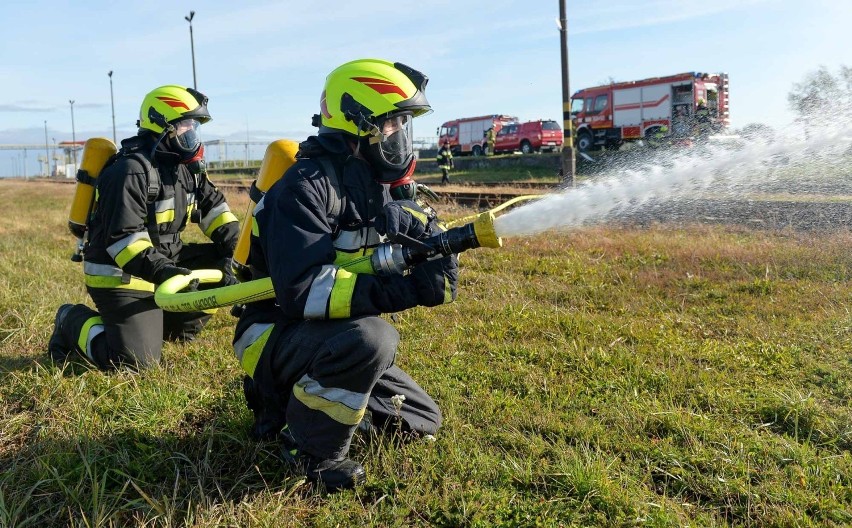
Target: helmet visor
395, 140
186, 134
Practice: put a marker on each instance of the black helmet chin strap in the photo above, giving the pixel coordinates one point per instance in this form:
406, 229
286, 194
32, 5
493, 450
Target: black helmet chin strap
159, 140
159, 119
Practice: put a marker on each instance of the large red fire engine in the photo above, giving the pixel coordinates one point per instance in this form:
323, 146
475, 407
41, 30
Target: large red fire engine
467, 135
611, 114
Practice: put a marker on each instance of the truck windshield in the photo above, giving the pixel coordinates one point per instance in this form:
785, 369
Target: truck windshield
576, 106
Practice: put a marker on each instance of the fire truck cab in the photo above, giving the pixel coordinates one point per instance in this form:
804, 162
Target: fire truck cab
688, 104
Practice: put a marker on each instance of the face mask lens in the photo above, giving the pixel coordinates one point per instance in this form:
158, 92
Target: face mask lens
396, 145
186, 134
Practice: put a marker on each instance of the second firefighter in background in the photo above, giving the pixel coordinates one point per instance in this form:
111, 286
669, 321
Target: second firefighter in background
146, 196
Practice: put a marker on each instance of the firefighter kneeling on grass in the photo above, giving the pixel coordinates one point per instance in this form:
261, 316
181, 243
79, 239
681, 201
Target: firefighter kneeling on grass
320, 362
145, 197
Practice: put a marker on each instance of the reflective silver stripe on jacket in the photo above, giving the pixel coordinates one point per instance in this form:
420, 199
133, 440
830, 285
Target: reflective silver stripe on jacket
101, 270
212, 215
350, 241
251, 335
259, 207
116, 248
320, 292
164, 205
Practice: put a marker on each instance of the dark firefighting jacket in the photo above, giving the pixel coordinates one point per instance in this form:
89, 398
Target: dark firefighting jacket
300, 243
131, 238
445, 159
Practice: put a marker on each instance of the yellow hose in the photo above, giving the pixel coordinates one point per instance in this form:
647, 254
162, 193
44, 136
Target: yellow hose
170, 298
513, 201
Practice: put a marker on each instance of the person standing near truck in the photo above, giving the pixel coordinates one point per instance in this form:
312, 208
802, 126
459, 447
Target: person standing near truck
702, 122
445, 161
489, 141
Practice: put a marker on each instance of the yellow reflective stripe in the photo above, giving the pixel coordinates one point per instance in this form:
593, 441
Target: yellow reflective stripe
360, 264
448, 292
251, 355
99, 281
340, 303
225, 218
334, 410
254, 229
418, 215
84, 332
134, 248
164, 217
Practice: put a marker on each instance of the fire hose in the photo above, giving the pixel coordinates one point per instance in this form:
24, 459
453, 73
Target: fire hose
387, 259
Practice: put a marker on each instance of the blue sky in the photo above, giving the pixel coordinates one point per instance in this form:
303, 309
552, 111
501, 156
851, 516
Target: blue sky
263, 64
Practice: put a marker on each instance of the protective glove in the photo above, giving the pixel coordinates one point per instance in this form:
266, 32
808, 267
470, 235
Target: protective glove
168, 272
436, 281
225, 237
402, 217
228, 277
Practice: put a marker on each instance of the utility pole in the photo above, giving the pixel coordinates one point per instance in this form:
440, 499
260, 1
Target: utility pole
46, 151
112, 103
73, 135
569, 162
192, 47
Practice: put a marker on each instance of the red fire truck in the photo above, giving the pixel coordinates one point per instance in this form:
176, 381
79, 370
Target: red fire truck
467, 135
606, 116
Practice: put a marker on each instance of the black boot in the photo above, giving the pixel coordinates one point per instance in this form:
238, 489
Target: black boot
58, 347
268, 418
334, 475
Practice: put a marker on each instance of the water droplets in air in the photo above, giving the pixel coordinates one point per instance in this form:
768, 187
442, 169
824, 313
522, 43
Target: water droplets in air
805, 158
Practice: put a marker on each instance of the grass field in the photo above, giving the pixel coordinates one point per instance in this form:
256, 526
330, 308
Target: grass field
666, 376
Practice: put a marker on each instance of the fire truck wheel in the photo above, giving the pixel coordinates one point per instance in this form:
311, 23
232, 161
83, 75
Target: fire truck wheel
526, 148
476, 150
584, 141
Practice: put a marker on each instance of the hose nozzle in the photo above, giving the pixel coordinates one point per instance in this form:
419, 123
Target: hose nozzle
483, 228
394, 259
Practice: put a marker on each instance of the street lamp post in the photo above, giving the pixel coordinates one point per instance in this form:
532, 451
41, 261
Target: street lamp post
73, 134
192, 47
112, 103
46, 152
569, 163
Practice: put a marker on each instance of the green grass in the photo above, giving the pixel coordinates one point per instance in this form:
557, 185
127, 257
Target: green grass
690, 376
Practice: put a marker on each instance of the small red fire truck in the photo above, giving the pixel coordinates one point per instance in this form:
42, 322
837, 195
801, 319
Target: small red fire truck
467, 135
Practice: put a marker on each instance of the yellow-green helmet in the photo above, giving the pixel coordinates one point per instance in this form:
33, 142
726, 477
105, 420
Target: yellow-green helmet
664, 129
359, 93
374, 101
171, 103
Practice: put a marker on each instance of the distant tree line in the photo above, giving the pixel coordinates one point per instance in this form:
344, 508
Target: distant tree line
819, 94
822, 92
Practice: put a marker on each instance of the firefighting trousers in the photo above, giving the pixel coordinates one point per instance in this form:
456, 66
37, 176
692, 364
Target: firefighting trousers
324, 375
130, 328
